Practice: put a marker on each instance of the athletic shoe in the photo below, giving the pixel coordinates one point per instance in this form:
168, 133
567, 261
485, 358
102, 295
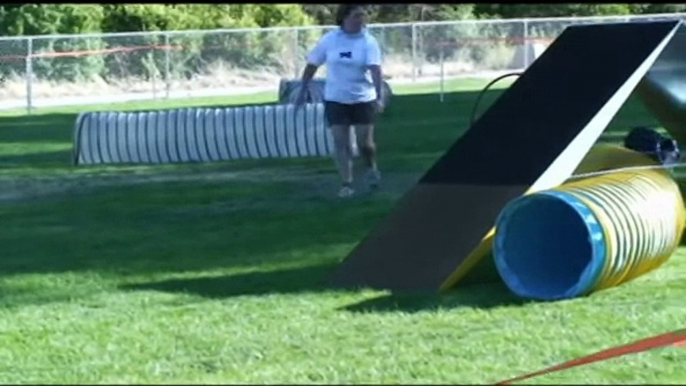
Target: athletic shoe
374, 178
345, 192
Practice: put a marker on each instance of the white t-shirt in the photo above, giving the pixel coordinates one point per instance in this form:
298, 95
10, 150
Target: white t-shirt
347, 56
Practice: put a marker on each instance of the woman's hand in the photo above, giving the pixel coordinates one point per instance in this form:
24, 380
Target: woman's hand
300, 99
380, 106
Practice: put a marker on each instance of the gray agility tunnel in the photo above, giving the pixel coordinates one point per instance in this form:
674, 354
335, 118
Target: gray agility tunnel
202, 135
289, 89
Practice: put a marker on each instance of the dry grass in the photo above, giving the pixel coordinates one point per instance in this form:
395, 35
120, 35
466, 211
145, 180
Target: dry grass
220, 75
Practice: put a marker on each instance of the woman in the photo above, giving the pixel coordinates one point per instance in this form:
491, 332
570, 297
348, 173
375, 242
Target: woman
351, 96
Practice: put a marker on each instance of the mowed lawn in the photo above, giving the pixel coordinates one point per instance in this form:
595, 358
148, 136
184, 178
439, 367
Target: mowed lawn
214, 273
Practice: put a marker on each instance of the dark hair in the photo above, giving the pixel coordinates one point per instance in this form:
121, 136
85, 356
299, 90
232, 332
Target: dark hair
344, 10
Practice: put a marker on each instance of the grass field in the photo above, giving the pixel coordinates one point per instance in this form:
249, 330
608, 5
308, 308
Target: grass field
213, 273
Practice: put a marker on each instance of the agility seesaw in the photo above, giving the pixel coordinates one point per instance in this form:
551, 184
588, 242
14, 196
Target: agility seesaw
521, 154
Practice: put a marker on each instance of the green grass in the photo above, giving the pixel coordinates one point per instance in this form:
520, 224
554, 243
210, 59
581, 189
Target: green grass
213, 273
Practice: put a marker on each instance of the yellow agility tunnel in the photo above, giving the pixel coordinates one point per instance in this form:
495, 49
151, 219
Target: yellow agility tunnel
642, 177
590, 233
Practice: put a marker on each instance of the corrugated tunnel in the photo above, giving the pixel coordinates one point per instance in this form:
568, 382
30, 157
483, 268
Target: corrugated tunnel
201, 135
591, 233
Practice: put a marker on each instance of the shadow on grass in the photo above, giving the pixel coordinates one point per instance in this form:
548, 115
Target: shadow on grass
37, 160
288, 281
484, 296
219, 225
481, 288
314, 279
47, 128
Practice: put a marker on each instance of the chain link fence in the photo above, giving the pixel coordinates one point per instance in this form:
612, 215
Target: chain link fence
45, 71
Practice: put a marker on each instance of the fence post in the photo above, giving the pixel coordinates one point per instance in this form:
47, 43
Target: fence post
296, 54
525, 37
167, 65
414, 52
152, 70
29, 75
442, 61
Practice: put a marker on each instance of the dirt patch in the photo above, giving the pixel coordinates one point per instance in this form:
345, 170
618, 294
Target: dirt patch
310, 183
392, 185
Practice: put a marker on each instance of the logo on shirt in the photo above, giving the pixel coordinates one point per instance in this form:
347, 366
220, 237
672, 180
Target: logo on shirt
348, 55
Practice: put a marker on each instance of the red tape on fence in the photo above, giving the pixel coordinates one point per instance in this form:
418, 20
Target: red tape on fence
128, 49
675, 338
74, 54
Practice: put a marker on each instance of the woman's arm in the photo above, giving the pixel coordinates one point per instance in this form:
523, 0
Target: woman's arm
308, 74
315, 58
374, 65
377, 78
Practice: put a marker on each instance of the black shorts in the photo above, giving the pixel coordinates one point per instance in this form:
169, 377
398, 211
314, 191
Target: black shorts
340, 114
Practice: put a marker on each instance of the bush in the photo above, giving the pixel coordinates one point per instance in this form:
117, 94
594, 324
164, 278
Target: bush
663, 8
446, 39
509, 11
143, 55
53, 19
278, 15
193, 51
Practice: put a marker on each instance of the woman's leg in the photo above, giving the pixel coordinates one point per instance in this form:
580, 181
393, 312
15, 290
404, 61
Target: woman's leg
365, 114
339, 119
344, 152
365, 138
